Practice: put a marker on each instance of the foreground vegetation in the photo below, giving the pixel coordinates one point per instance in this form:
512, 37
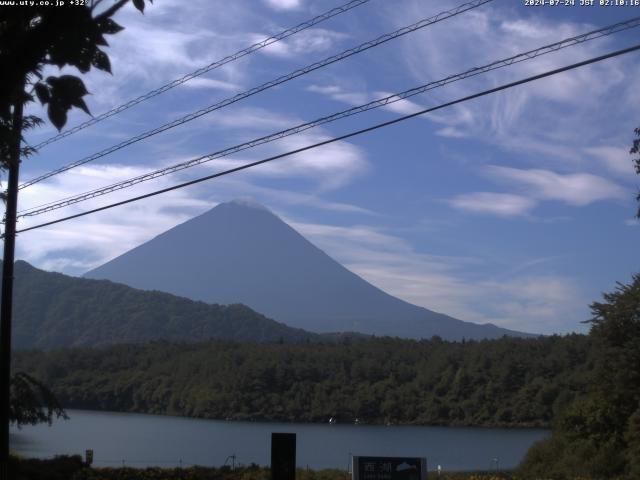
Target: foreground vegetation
507, 382
72, 468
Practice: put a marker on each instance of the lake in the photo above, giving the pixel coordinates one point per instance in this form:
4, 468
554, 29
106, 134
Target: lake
154, 440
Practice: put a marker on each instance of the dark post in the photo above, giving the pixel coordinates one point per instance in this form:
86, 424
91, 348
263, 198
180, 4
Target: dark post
283, 456
7, 284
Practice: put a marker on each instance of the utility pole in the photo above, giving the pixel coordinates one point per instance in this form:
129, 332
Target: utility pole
6, 304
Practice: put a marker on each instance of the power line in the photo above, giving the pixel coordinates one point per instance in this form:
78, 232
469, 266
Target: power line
196, 73
342, 137
270, 84
631, 23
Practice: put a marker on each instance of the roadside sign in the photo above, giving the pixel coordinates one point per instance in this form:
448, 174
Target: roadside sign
389, 468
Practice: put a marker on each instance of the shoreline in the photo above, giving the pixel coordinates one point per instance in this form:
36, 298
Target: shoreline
303, 422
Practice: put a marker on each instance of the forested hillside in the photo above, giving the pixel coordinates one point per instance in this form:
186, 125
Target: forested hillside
509, 382
52, 310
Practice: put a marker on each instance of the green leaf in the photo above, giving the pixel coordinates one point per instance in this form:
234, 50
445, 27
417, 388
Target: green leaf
139, 4
43, 93
101, 61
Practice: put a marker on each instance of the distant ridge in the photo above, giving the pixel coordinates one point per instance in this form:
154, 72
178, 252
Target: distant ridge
52, 310
240, 252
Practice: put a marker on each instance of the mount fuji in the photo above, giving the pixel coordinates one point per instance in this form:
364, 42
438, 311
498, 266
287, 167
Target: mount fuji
240, 252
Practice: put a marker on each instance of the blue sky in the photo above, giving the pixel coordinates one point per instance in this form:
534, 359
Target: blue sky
515, 209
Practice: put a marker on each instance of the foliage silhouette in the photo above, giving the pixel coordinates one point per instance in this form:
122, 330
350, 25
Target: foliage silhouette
32, 38
599, 433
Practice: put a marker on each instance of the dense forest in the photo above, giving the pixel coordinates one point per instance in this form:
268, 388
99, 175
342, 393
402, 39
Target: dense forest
507, 382
52, 310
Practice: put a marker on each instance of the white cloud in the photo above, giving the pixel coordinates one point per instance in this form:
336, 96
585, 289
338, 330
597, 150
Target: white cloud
308, 41
165, 43
451, 132
274, 196
78, 245
330, 166
284, 4
577, 189
399, 105
617, 160
501, 204
212, 83
252, 118
338, 94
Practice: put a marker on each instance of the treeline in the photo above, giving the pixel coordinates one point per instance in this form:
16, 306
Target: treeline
506, 382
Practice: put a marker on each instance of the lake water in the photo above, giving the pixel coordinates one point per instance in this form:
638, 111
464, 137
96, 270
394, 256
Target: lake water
145, 440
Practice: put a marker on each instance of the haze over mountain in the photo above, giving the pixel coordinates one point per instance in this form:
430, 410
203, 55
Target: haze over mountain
52, 310
240, 252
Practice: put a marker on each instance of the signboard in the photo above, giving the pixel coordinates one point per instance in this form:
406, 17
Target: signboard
389, 468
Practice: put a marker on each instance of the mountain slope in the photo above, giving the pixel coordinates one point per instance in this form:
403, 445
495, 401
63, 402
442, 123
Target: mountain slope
242, 253
52, 310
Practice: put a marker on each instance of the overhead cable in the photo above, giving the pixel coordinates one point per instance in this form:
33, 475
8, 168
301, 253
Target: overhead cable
196, 73
342, 137
390, 99
270, 84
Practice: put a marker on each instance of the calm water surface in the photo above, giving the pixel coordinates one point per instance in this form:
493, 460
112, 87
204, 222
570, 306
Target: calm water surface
144, 440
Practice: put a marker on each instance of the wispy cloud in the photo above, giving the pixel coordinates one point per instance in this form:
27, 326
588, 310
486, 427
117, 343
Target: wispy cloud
284, 4
501, 204
616, 159
339, 94
254, 119
523, 119
212, 83
72, 248
312, 40
399, 105
577, 189
519, 299
328, 167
